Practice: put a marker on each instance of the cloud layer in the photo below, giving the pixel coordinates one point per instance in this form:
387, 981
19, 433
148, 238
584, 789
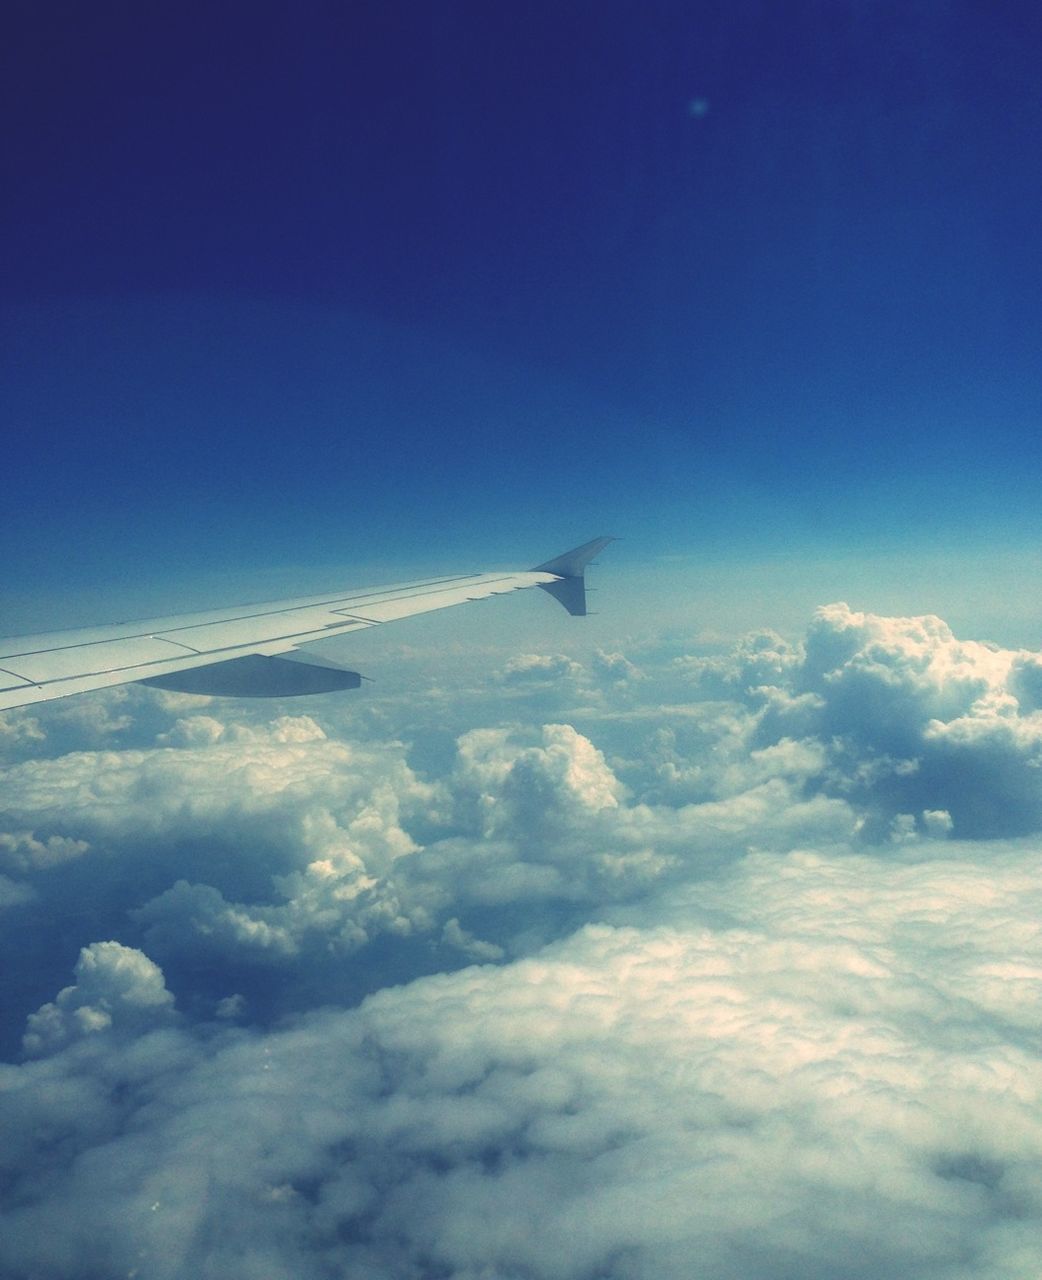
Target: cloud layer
759, 1098
725, 964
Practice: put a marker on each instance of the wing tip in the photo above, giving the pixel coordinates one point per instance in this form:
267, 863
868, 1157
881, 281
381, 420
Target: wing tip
571, 564
569, 568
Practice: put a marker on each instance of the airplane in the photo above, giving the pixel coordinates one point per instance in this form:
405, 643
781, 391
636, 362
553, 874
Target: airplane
252, 651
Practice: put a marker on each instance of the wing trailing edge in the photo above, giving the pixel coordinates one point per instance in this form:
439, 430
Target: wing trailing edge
253, 650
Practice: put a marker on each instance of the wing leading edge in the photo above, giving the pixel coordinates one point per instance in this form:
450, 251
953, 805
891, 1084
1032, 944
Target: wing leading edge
252, 650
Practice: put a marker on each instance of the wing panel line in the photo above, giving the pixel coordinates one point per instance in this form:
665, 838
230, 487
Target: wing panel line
344, 601
353, 624
35, 668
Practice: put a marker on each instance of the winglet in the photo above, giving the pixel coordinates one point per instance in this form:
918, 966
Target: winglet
570, 587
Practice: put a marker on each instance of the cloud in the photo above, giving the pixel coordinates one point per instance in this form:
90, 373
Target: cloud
454, 935
273, 842
19, 731
853, 1048
116, 986
14, 893
282, 848
914, 720
252, 840
24, 851
759, 972
539, 667
515, 823
615, 668
276, 842
225, 781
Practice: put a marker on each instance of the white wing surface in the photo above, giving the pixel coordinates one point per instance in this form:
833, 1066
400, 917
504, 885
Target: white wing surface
251, 650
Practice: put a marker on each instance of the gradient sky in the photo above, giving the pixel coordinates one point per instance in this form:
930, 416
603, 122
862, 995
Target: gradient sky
697, 937
387, 283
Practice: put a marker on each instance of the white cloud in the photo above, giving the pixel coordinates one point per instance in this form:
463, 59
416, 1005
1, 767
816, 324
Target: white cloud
798, 1037
224, 780
18, 729
842, 1081
115, 986
330, 844
454, 935
914, 720
23, 850
615, 668
539, 667
344, 842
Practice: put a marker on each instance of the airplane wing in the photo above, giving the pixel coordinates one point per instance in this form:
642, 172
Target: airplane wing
252, 650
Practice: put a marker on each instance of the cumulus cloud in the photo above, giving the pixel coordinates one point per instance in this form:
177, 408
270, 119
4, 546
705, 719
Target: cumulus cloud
612, 669
278, 841
115, 986
516, 822
454, 935
285, 781
18, 730
539, 667
24, 851
259, 840
758, 970
615, 668
760, 1095
880, 730
914, 720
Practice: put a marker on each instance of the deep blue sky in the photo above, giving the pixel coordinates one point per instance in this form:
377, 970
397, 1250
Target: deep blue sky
368, 282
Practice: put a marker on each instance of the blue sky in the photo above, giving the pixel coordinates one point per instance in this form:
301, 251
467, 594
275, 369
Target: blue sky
388, 284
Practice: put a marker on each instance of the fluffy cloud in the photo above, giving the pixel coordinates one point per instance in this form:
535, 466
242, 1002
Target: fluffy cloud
285, 783
24, 851
18, 731
539, 667
854, 1048
115, 986
915, 722
277, 841
874, 728
760, 971
613, 670
263, 841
